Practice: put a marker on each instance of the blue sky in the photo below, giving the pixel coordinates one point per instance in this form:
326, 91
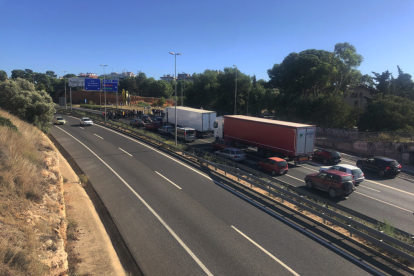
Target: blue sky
78, 36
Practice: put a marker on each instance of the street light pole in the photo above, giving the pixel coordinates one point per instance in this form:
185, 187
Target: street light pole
66, 106
235, 93
104, 88
175, 74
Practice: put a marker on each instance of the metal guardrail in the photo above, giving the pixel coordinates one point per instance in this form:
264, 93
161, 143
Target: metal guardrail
375, 237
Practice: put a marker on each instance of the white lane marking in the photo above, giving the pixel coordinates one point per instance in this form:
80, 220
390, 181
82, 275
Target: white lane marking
306, 167
368, 188
81, 127
294, 177
385, 202
265, 251
166, 155
408, 193
168, 180
126, 152
149, 208
97, 135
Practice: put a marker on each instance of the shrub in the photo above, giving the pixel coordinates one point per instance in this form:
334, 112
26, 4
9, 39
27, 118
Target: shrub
20, 98
7, 123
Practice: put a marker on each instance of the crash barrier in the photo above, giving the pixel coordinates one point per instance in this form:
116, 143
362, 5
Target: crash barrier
301, 199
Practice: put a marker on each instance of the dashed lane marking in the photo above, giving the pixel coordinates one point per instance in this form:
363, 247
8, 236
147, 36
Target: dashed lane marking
126, 152
168, 180
98, 136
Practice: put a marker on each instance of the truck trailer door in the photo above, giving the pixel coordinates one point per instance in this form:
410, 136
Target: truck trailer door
300, 141
206, 121
310, 140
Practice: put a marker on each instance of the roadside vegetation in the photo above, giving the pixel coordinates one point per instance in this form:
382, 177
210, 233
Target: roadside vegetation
27, 217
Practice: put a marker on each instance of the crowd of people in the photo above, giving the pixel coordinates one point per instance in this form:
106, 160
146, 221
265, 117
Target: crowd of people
129, 114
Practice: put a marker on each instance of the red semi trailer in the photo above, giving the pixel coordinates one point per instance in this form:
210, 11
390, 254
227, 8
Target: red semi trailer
271, 138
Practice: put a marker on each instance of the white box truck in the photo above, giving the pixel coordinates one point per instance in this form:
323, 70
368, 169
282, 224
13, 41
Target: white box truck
201, 120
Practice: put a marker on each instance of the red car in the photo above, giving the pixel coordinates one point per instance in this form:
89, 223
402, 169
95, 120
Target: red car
221, 144
334, 182
153, 126
274, 165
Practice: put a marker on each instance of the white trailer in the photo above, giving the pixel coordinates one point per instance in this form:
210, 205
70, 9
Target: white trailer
201, 120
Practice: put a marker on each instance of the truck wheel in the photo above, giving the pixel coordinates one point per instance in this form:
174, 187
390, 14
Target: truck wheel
261, 152
333, 193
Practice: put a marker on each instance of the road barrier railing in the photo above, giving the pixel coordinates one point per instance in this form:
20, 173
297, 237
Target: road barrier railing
301, 199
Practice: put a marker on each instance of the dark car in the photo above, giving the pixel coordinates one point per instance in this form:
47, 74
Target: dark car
334, 182
136, 122
159, 119
327, 156
221, 144
166, 130
274, 165
153, 126
383, 165
146, 118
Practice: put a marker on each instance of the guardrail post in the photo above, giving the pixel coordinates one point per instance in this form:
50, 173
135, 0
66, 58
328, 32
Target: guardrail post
350, 233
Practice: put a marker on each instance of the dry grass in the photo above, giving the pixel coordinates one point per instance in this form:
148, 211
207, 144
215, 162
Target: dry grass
22, 186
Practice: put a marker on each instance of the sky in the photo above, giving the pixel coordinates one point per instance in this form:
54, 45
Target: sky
126, 35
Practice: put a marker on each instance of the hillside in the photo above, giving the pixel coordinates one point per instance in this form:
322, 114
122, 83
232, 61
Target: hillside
32, 210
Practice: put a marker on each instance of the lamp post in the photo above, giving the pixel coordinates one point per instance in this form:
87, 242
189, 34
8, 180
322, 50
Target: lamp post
235, 93
66, 106
104, 88
175, 73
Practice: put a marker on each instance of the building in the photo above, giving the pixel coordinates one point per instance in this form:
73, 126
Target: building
116, 76
362, 92
182, 76
88, 75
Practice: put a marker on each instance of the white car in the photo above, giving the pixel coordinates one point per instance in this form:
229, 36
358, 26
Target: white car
232, 153
85, 121
356, 172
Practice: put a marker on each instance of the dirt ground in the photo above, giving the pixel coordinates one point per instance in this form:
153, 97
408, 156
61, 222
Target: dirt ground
90, 251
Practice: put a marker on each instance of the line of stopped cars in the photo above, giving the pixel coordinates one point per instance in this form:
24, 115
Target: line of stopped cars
341, 179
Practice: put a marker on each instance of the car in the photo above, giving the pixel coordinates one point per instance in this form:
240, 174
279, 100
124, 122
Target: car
275, 165
356, 172
136, 122
327, 156
59, 121
159, 119
232, 153
166, 130
153, 126
146, 118
221, 144
85, 121
186, 134
336, 183
383, 165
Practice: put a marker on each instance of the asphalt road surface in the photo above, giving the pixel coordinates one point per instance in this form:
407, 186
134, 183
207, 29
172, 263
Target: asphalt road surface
381, 198
178, 219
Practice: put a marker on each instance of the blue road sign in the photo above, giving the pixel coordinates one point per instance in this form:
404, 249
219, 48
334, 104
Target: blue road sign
110, 85
92, 84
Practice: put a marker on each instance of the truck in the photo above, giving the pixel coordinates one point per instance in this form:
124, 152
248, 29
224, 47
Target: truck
269, 137
201, 120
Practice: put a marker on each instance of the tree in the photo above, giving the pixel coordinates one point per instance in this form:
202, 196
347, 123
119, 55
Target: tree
345, 62
3, 75
51, 74
388, 113
383, 82
403, 85
20, 98
17, 74
67, 76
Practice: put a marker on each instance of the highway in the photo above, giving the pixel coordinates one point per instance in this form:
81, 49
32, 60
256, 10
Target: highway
179, 219
381, 198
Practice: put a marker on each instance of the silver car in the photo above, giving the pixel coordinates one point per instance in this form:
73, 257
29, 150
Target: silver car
166, 130
85, 121
356, 172
232, 153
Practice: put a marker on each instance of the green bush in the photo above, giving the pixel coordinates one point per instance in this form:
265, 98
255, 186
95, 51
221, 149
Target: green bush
142, 104
7, 123
90, 106
20, 98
